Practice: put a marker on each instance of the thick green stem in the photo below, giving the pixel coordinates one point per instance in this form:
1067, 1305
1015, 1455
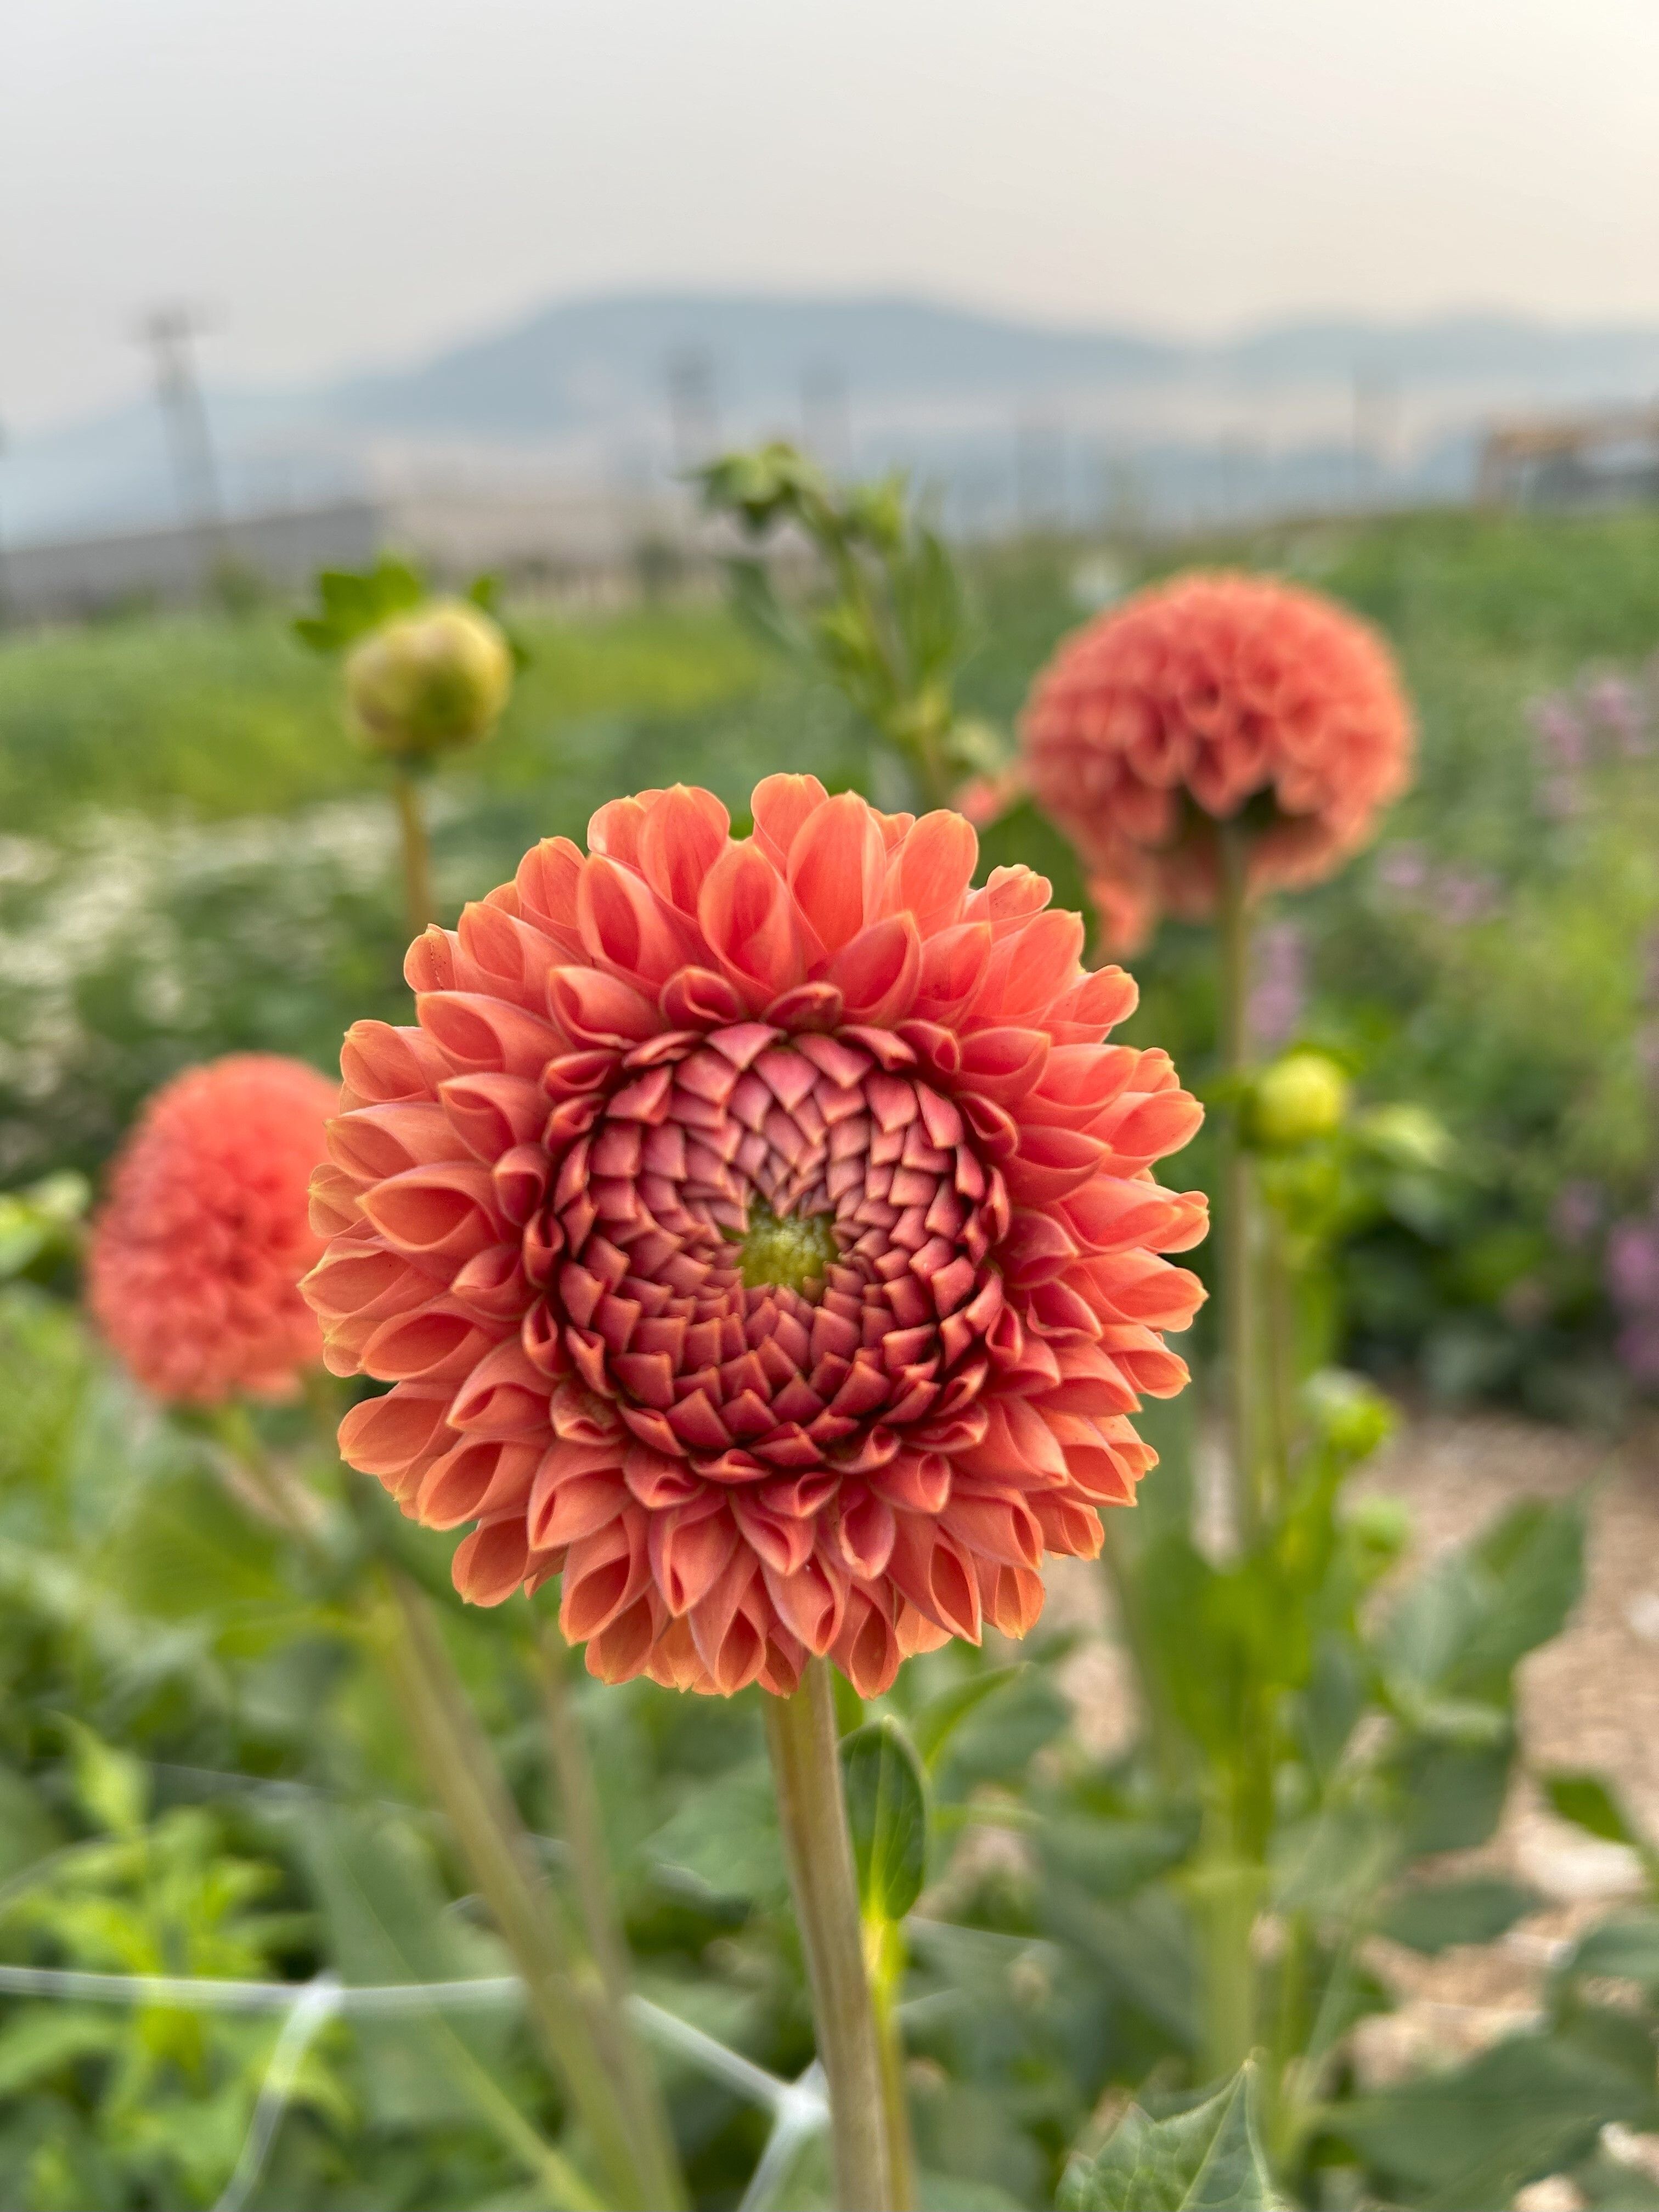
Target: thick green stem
575, 2023
1226, 1892
418, 850
801, 1736
1238, 1317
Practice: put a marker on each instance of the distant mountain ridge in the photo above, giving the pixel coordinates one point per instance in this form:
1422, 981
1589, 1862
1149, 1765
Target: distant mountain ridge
587, 387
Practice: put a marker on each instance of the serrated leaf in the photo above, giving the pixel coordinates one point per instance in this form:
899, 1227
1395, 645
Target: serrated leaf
887, 1812
1434, 1918
1208, 2160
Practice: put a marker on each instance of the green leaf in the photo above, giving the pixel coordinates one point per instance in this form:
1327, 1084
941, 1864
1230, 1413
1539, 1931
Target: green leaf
725, 1837
1625, 1948
1525, 2108
39, 2042
1143, 1948
113, 1786
938, 1720
1110, 1858
1440, 1914
887, 1812
1208, 2160
1587, 1802
1451, 1797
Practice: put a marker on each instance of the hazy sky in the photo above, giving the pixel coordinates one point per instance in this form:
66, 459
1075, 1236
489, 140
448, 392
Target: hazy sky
343, 181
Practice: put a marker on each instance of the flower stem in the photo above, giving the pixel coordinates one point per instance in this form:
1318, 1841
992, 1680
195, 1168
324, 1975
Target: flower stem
801, 1736
584, 1835
417, 850
1237, 1225
575, 2024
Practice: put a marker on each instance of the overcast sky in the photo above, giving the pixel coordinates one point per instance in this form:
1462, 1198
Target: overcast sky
347, 181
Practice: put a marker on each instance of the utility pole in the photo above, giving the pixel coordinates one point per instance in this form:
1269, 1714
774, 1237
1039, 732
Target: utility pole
168, 333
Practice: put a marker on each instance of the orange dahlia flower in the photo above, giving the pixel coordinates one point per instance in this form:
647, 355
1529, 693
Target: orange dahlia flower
760, 1232
1204, 700
196, 1254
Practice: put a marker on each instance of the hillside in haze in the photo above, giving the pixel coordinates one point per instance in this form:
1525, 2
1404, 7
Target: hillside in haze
1004, 416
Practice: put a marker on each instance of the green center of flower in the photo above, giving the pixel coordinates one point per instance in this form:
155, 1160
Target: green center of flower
787, 1254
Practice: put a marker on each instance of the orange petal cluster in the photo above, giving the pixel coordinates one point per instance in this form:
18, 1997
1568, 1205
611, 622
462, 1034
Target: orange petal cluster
1200, 701
760, 1233
198, 1251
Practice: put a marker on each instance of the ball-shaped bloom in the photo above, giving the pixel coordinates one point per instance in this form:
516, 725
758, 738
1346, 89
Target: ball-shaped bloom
760, 1232
196, 1254
1214, 698
428, 681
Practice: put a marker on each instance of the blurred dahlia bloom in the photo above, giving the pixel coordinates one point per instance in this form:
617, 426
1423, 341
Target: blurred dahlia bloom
1202, 700
761, 1234
198, 1251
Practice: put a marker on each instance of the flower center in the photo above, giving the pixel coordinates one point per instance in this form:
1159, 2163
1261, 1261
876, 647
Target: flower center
774, 1257
791, 1254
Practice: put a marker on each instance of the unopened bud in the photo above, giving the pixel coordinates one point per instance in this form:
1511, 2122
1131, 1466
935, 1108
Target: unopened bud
426, 681
1298, 1098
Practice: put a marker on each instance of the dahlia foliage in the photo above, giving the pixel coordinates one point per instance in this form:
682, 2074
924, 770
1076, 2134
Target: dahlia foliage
197, 1252
1207, 699
760, 1233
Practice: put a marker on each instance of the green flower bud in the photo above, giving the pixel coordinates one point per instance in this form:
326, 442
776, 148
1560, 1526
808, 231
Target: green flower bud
426, 681
1301, 1097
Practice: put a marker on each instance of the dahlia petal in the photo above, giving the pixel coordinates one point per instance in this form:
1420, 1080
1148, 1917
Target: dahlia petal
684, 834
811, 1602
780, 803
476, 1481
387, 1064
381, 1436
491, 1563
932, 870
692, 1547
627, 927
748, 918
866, 1649
377, 1141
877, 971
490, 1113
604, 1574
546, 885
477, 1034
594, 1009
837, 861
572, 1498
505, 1394
447, 1211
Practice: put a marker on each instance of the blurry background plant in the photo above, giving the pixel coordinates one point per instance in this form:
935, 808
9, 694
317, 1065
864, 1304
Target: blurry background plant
423, 677
1481, 981
885, 614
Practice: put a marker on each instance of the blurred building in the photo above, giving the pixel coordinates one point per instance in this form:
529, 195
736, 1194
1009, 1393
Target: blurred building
597, 543
1608, 457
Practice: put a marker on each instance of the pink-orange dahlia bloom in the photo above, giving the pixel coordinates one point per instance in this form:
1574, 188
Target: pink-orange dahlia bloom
1200, 701
762, 1233
197, 1253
